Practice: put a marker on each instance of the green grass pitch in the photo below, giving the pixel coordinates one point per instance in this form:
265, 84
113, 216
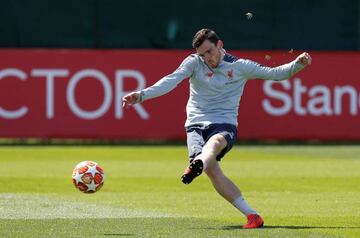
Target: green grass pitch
301, 191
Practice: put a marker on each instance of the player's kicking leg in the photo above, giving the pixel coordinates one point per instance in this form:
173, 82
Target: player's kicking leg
211, 149
195, 141
207, 161
206, 158
192, 171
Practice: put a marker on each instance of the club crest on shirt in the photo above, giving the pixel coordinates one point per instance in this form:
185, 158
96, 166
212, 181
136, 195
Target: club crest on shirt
230, 74
209, 74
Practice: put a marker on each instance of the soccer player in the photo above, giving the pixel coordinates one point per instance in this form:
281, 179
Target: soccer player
217, 80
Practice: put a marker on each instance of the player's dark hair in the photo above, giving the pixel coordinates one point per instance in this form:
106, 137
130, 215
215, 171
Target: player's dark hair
205, 34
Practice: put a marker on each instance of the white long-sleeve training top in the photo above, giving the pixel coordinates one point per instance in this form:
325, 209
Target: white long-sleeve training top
215, 93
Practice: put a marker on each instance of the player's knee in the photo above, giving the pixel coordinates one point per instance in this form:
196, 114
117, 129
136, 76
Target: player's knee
219, 142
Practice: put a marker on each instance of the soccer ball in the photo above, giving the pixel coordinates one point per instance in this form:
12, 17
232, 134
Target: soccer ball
88, 177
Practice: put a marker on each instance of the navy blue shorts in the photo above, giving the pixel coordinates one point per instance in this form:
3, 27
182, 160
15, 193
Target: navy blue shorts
198, 135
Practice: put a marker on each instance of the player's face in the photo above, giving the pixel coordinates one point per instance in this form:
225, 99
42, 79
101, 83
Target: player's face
210, 52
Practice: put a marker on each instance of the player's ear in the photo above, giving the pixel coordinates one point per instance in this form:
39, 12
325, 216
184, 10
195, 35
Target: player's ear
219, 44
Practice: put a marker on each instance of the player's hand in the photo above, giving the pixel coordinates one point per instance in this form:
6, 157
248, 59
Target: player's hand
130, 99
304, 59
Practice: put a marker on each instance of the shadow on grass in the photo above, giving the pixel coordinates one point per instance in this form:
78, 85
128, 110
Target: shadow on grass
292, 227
119, 234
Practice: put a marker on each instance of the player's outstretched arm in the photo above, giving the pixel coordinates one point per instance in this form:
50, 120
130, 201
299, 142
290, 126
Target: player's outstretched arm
254, 70
131, 99
164, 85
304, 58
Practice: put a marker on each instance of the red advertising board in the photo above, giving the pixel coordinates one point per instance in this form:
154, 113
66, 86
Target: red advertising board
77, 94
